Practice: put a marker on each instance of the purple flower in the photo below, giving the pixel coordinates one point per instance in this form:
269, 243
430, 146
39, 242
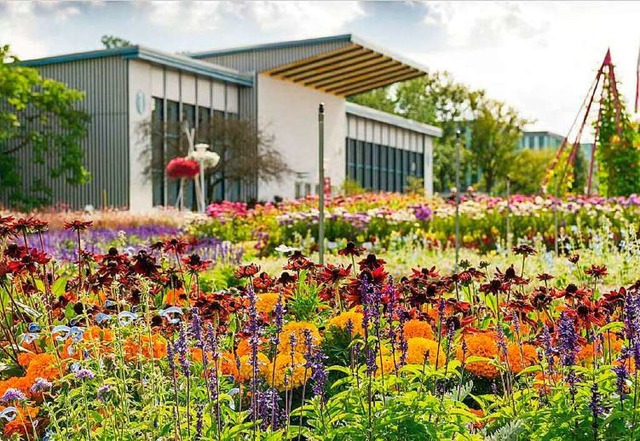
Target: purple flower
182, 349
41, 384
621, 378
13, 394
102, 391
595, 404
567, 340
422, 212
85, 374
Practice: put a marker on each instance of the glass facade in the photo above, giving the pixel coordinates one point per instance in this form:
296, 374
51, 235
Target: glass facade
380, 167
167, 116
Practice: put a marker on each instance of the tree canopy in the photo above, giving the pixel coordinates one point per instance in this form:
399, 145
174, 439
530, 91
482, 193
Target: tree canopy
438, 99
40, 122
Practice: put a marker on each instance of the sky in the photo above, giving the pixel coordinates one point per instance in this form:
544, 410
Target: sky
539, 57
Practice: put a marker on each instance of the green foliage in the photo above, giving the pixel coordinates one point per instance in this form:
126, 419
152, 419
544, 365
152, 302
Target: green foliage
351, 187
415, 185
111, 42
39, 119
618, 151
439, 100
527, 170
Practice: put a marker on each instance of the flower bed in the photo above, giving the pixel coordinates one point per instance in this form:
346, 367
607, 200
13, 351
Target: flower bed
144, 345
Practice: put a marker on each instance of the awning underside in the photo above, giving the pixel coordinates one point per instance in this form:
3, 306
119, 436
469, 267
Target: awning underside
346, 71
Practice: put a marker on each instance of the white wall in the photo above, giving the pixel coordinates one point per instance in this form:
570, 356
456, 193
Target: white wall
141, 78
289, 113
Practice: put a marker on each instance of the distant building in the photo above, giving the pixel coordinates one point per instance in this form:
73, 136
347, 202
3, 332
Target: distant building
278, 85
540, 140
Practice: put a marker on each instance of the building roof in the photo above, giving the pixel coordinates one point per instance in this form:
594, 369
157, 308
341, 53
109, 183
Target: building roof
395, 120
175, 61
352, 68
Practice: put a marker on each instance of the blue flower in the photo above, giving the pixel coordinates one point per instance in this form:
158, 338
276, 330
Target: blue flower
40, 385
34, 327
169, 312
9, 413
102, 317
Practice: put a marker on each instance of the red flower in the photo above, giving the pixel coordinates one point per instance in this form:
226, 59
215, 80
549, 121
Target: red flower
179, 168
77, 225
247, 271
351, 250
333, 274
195, 264
597, 272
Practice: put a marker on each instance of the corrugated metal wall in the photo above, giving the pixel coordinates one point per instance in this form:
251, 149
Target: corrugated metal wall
104, 82
266, 59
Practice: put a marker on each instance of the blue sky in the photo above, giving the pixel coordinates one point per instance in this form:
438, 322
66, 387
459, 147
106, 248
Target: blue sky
538, 56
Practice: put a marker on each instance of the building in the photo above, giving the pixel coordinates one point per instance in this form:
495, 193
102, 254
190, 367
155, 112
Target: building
278, 86
540, 140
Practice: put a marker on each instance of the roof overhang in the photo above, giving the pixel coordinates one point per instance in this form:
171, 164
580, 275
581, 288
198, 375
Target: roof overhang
355, 68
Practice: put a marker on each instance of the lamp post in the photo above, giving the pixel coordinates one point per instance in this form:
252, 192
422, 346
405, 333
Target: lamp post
321, 183
458, 136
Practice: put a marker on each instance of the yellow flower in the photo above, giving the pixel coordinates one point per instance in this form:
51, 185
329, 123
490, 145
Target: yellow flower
289, 371
341, 321
246, 370
418, 348
480, 345
387, 366
266, 303
296, 329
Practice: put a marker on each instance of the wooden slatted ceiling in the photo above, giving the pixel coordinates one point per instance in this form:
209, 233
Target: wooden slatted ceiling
346, 71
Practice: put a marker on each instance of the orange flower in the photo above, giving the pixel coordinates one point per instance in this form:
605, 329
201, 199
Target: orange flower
24, 358
587, 354
95, 340
387, 366
520, 359
22, 424
176, 297
246, 370
341, 320
289, 373
228, 364
143, 346
417, 328
266, 303
418, 348
297, 329
480, 345
244, 348
45, 366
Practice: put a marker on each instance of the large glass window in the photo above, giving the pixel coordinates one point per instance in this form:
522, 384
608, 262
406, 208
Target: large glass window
157, 151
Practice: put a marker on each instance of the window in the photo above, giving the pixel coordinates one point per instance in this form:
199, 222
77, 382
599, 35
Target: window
367, 165
157, 152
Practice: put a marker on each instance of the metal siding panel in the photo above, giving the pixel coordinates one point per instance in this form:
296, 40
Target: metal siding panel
104, 82
261, 60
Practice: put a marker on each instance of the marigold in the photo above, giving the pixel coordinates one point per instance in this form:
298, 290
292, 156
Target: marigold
45, 366
586, 354
480, 345
246, 370
417, 328
95, 341
244, 348
228, 364
176, 297
297, 330
521, 357
289, 371
266, 303
419, 347
144, 346
24, 358
341, 321
387, 366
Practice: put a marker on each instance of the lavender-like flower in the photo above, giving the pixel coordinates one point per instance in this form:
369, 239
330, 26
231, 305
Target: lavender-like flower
567, 340
199, 422
85, 374
595, 404
40, 385
621, 378
548, 346
13, 394
182, 349
102, 392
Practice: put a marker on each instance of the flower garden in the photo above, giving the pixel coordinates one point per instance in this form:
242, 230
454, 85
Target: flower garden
223, 327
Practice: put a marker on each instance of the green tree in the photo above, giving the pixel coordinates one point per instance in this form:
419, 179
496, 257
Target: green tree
434, 99
618, 149
495, 131
40, 122
111, 42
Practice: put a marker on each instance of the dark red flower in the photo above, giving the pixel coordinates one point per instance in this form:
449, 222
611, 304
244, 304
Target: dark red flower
597, 272
574, 258
77, 225
333, 274
524, 250
195, 264
245, 271
351, 250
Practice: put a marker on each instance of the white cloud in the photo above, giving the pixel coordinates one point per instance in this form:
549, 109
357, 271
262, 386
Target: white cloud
539, 57
18, 27
298, 19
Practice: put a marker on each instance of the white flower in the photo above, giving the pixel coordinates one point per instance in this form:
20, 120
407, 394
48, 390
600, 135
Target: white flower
282, 248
